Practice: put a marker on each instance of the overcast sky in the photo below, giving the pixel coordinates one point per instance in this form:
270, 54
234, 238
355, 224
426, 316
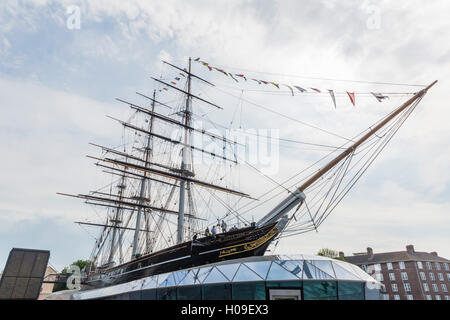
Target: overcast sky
58, 81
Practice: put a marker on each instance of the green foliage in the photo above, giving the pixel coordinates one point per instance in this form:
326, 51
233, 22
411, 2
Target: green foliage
330, 253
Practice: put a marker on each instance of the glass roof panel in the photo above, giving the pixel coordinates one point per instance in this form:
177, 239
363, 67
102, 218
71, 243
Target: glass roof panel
311, 272
260, 267
245, 274
324, 265
229, 270
215, 276
344, 274
277, 272
188, 279
294, 266
202, 274
348, 267
149, 283
180, 275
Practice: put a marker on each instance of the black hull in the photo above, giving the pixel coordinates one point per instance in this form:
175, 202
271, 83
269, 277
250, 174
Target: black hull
227, 246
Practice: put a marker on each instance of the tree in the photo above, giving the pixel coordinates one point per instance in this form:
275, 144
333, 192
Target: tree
330, 253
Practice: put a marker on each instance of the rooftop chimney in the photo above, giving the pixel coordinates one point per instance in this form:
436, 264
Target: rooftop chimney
369, 252
434, 253
410, 248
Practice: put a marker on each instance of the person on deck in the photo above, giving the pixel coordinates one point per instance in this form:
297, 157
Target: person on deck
224, 226
207, 233
214, 231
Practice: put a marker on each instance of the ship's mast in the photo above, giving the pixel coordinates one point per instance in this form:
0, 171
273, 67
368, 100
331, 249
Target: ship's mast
184, 159
148, 151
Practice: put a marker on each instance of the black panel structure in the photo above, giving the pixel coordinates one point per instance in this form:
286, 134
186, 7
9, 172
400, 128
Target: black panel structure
23, 274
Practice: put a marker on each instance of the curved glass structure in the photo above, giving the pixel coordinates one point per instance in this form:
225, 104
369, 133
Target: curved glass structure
255, 278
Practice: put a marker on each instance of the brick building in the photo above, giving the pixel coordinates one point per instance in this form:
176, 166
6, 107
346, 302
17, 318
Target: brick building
407, 275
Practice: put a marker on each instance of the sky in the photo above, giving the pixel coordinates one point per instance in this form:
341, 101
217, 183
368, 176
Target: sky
63, 63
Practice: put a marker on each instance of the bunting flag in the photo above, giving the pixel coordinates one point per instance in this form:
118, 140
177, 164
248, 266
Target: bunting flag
177, 78
292, 91
379, 96
275, 84
300, 89
351, 95
173, 82
220, 70
332, 97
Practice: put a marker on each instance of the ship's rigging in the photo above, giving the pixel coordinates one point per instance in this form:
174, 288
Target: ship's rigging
157, 198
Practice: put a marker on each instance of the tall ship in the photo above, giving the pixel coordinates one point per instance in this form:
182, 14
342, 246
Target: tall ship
166, 208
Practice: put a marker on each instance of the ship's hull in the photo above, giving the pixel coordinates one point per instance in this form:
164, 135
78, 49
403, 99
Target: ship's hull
241, 243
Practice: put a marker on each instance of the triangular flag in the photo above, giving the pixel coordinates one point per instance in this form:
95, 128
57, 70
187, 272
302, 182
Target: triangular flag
379, 96
292, 91
182, 74
300, 89
351, 95
332, 97
316, 89
259, 81
197, 59
276, 85
242, 76
265, 82
173, 82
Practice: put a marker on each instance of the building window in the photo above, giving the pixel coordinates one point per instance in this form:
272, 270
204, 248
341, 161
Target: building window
438, 266
447, 298
249, 291
410, 297
419, 265
429, 297
441, 276
364, 267
189, 293
407, 287
425, 287
377, 267
385, 297
379, 277
389, 265
404, 276
320, 290
392, 276
444, 287
446, 266
423, 276
396, 297
428, 265
217, 292
435, 287
401, 264
432, 276
438, 297
394, 287
448, 276
350, 291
